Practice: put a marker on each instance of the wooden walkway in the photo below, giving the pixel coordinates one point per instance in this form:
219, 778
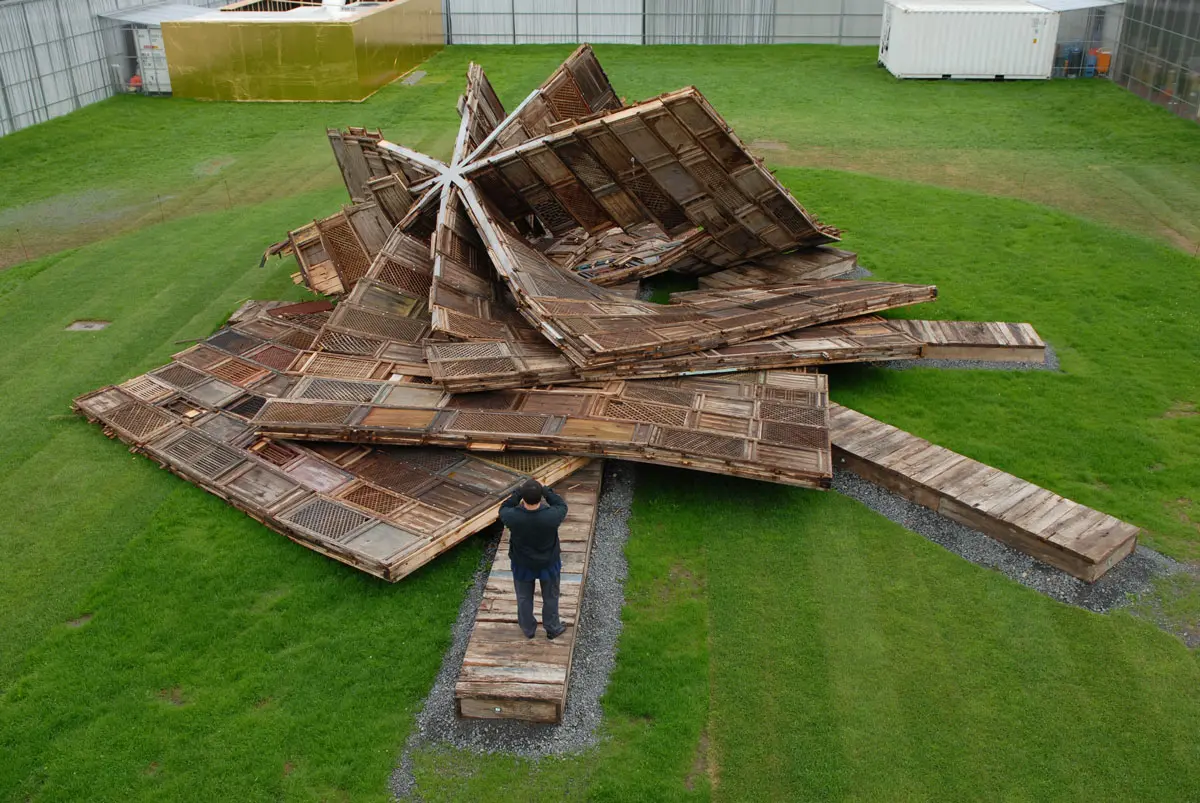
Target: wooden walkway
1077, 539
994, 341
505, 675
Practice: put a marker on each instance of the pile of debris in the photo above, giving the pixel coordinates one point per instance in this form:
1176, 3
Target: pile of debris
486, 330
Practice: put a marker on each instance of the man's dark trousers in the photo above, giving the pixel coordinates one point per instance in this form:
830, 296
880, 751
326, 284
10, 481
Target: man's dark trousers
549, 581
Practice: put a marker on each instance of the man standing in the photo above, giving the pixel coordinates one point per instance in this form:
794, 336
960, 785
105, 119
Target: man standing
532, 515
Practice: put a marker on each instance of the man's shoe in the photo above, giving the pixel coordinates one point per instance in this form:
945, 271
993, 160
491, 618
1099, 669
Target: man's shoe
553, 636
529, 635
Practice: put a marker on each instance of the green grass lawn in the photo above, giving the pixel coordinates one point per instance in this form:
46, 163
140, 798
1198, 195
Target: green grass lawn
1083, 146
778, 643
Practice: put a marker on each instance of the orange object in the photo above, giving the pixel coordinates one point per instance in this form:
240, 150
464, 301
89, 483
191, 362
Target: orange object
1103, 61
135, 82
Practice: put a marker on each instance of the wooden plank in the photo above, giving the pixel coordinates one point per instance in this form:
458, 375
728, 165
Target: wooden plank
1083, 542
545, 711
499, 659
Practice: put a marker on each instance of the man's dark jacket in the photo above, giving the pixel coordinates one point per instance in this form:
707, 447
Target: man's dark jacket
534, 542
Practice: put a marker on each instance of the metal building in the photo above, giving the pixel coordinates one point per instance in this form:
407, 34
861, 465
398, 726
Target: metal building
1159, 57
60, 55
663, 22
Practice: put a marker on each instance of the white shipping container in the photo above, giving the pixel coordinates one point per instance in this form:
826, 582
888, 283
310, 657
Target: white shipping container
152, 60
963, 39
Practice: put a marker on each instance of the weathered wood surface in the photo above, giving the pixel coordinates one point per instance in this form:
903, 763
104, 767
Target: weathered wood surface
594, 327
616, 256
505, 675
1077, 539
768, 425
361, 159
379, 330
671, 160
579, 88
386, 511
824, 262
976, 340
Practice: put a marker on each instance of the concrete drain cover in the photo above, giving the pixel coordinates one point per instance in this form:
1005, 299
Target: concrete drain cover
413, 78
88, 326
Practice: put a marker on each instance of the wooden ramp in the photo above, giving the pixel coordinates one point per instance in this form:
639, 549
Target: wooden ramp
994, 341
1083, 542
505, 675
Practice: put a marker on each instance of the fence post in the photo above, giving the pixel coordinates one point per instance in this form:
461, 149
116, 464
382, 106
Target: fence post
41, 89
8, 109
68, 55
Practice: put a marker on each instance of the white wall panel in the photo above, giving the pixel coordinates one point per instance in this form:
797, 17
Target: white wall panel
545, 21
618, 21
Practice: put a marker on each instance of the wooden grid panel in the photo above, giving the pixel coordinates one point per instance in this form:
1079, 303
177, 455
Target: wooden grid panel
179, 376
686, 168
604, 330
275, 357
326, 518
139, 421
472, 421
376, 500
233, 341
339, 390
200, 455
237, 372
340, 342
278, 411
371, 527
710, 424
346, 251
577, 89
246, 406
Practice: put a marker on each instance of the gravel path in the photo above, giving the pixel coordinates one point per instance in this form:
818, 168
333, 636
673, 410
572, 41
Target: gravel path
1051, 364
1131, 576
595, 656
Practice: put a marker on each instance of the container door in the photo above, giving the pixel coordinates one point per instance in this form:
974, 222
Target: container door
886, 33
152, 61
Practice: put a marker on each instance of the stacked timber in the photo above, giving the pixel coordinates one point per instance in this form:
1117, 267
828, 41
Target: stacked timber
488, 331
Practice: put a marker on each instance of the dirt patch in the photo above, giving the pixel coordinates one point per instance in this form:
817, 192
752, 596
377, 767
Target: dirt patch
699, 764
680, 583
88, 326
210, 167
80, 621
288, 768
1186, 511
173, 695
64, 211
1182, 409
767, 145
153, 769
262, 703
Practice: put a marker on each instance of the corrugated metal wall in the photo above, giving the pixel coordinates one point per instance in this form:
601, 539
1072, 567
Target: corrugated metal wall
57, 55
663, 22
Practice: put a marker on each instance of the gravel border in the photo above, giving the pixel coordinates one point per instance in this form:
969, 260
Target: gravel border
591, 666
1051, 364
1129, 578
